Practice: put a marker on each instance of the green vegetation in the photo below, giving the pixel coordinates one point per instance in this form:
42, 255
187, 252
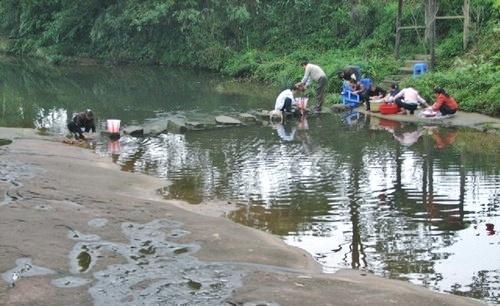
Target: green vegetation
262, 40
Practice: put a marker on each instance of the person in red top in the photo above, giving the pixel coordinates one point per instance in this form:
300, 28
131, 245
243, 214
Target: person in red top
444, 102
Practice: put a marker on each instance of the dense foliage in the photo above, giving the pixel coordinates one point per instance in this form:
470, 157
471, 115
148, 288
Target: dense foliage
260, 39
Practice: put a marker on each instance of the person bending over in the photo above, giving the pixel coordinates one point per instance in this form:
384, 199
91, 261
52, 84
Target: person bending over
408, 99
314, 73
373, 93
393, 90
284, 101
83, 120
445, 103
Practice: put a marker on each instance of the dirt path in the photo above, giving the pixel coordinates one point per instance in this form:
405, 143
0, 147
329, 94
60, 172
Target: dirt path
78, 231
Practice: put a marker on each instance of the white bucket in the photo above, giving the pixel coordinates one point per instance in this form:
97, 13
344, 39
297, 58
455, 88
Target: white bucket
113, 126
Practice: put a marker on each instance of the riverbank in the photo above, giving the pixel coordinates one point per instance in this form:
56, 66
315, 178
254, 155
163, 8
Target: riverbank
476, 121
77, 230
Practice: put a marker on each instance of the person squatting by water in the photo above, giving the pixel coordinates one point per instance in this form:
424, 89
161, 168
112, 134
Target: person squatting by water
408, 99
314, 73
284, 102
393, 90
83, 120
445, 103
372, 94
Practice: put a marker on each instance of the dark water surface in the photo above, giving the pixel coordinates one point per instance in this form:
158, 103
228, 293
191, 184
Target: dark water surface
419, 203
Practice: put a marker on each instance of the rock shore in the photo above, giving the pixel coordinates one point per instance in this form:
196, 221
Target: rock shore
78, 231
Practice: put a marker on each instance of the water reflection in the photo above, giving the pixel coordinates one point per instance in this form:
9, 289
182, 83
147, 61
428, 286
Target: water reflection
35, 94
285, 131
354, 198
405, 201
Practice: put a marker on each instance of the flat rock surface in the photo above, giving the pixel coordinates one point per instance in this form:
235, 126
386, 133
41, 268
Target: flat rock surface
111, 240
226, 120
473, 120
247, 117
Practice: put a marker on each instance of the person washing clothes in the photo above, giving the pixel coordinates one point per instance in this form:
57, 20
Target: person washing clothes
445, 103
314, 73
408, 99
83, 120
284, 102
372, 94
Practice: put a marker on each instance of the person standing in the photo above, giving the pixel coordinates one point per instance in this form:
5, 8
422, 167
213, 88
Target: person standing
312, 73
83, 120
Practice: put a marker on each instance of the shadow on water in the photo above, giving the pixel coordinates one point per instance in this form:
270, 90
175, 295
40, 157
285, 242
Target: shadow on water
404, 201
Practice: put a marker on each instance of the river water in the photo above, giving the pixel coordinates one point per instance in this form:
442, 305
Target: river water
418, 203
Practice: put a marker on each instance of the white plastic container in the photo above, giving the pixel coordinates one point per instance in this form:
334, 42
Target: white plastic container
375, 105
113, 126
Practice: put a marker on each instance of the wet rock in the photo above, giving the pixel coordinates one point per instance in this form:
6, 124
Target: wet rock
338, 108
226, 120
157, 126
112, 136
247, 117
176, 125
263, 114
134, 130
195, 125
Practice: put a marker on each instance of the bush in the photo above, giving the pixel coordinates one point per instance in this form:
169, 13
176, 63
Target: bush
474, 86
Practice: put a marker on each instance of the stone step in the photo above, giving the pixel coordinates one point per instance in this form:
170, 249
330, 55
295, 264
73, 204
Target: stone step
425, 57
396, 77
226, 120
413, 62
247, 117
176, 125
386, 84
406, 70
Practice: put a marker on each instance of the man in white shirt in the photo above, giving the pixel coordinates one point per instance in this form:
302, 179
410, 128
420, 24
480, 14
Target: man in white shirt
286, 99
283, 103
314, 73
409, 99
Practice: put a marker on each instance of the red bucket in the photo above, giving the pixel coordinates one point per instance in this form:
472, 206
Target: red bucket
389, 108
